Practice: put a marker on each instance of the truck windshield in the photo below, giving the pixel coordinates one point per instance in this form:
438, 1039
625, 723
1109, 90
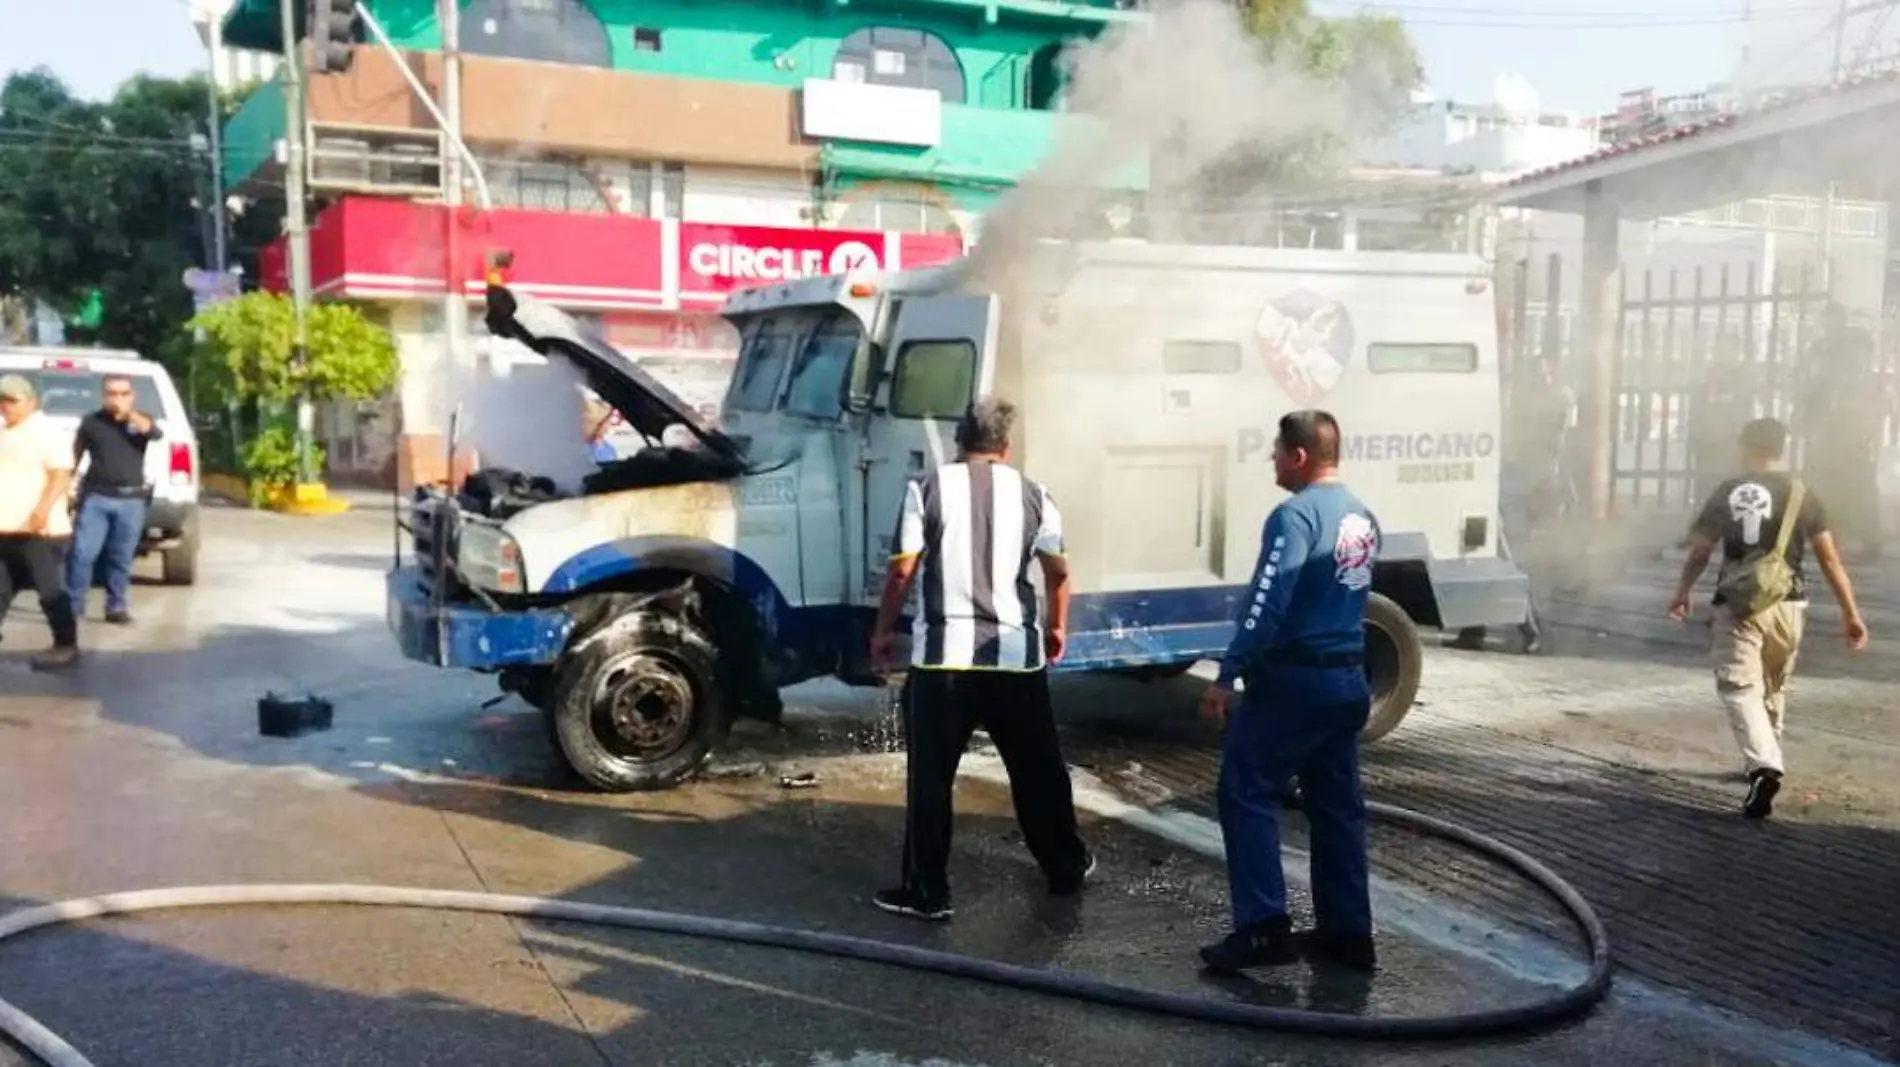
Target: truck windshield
817, 386
768, 348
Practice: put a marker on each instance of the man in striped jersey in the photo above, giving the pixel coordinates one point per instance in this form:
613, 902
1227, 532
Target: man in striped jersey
1299, 650
979, 655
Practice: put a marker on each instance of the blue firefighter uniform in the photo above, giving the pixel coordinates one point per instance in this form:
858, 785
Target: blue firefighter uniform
1299, 652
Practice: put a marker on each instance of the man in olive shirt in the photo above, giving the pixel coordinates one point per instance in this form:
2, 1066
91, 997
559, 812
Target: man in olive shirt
112, 498
1754, 654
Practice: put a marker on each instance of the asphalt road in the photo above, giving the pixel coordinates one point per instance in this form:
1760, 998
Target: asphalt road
145, 768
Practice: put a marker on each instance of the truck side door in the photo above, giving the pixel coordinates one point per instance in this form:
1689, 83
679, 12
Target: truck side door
937, 359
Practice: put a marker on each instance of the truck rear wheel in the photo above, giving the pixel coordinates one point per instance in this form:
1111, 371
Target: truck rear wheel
639, 707
1395, 660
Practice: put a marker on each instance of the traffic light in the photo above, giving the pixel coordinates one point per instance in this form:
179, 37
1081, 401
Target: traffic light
334, 31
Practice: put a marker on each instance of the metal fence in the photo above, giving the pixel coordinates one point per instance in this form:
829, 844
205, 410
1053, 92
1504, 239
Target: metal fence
1671, 325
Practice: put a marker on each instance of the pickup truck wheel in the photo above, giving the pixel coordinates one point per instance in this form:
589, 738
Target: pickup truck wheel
639, 708
179, 564
1395, 660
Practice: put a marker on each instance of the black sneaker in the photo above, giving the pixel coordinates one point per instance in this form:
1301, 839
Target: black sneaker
1269, 944
1762, 787
911, 905
119, 618
1353, 953
1068, 885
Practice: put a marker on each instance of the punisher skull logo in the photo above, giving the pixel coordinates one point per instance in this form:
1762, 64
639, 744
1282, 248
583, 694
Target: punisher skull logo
1750, 505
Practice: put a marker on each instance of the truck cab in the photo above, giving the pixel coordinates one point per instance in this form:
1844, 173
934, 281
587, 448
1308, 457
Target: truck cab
683, 585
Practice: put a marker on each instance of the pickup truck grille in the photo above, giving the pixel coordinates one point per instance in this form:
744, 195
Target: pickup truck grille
434, 525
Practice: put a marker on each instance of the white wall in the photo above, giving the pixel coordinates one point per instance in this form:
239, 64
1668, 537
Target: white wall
1433, 139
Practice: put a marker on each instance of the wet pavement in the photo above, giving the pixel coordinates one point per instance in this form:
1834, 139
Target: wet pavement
145, 769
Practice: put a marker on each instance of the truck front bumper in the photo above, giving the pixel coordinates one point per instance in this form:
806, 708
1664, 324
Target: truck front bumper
469, 636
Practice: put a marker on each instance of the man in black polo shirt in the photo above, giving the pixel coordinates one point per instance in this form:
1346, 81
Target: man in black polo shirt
112, 498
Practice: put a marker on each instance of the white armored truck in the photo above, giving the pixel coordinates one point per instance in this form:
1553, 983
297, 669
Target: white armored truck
682, 586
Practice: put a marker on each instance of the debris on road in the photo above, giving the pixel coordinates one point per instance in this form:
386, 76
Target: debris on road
281, 716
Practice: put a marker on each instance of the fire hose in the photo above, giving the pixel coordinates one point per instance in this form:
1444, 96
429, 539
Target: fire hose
1558, 1007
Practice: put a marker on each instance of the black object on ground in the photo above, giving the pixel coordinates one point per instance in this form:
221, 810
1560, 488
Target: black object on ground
281, 716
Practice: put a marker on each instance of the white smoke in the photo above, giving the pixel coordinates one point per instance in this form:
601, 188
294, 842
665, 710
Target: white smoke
1197, 98
529, 419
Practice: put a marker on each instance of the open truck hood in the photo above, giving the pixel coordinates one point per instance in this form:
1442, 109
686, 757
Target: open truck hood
649, 406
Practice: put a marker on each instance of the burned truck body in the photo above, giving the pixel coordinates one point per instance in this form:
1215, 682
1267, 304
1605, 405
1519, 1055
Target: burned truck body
681, 587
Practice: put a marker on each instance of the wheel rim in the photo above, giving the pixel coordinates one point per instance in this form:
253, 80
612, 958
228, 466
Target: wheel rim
643, 707
1383, 665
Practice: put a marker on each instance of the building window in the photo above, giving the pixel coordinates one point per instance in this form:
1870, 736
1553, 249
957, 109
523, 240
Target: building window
673, 189
640, 188
553, 185
897, 209
1046, 78
646, 39
552, 31
913, 59
547, 187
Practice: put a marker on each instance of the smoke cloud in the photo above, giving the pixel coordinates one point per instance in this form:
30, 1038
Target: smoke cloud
1197, 98
530, 420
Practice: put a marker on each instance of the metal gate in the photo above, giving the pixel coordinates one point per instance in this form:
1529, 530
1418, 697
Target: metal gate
1676, 330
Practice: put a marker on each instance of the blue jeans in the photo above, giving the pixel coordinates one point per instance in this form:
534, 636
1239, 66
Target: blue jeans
1297, 721
108, 527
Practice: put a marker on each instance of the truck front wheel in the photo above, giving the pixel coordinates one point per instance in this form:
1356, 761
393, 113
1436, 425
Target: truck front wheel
1395, 660
638, 706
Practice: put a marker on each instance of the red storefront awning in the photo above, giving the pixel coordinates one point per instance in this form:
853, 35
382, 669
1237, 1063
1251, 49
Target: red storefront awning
374, 249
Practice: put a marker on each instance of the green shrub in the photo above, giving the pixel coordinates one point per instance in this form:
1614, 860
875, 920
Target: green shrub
270, 463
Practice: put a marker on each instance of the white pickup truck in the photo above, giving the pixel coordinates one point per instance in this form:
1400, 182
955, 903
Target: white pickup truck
68, 381
682, 586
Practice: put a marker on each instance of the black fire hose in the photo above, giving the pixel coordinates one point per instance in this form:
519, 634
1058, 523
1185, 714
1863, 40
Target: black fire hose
1572, 1002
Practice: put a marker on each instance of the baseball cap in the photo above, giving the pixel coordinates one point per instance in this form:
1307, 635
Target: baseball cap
16, 387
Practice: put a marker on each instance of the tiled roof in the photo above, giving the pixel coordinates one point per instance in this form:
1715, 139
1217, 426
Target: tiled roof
1697, 129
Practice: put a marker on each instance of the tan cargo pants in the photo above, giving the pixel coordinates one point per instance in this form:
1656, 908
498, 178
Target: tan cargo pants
1754, 662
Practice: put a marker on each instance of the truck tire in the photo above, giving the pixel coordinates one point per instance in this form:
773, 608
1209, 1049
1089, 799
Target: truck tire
179, 564
1395, 660
639, 707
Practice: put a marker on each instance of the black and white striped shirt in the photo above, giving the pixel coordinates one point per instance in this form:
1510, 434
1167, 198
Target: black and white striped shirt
978, 526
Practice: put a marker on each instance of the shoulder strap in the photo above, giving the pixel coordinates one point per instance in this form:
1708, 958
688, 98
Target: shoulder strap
1790, 518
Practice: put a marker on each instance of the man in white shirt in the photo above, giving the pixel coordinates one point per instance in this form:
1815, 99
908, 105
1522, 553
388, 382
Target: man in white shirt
968, 534
36, 470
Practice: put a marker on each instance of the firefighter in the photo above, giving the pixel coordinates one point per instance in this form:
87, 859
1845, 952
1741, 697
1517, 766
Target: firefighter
1299, 651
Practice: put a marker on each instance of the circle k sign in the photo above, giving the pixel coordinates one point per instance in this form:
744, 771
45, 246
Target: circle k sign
723, 258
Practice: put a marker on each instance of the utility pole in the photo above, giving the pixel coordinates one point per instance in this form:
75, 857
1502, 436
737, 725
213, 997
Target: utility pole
455, 300
214, 44
297, 229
